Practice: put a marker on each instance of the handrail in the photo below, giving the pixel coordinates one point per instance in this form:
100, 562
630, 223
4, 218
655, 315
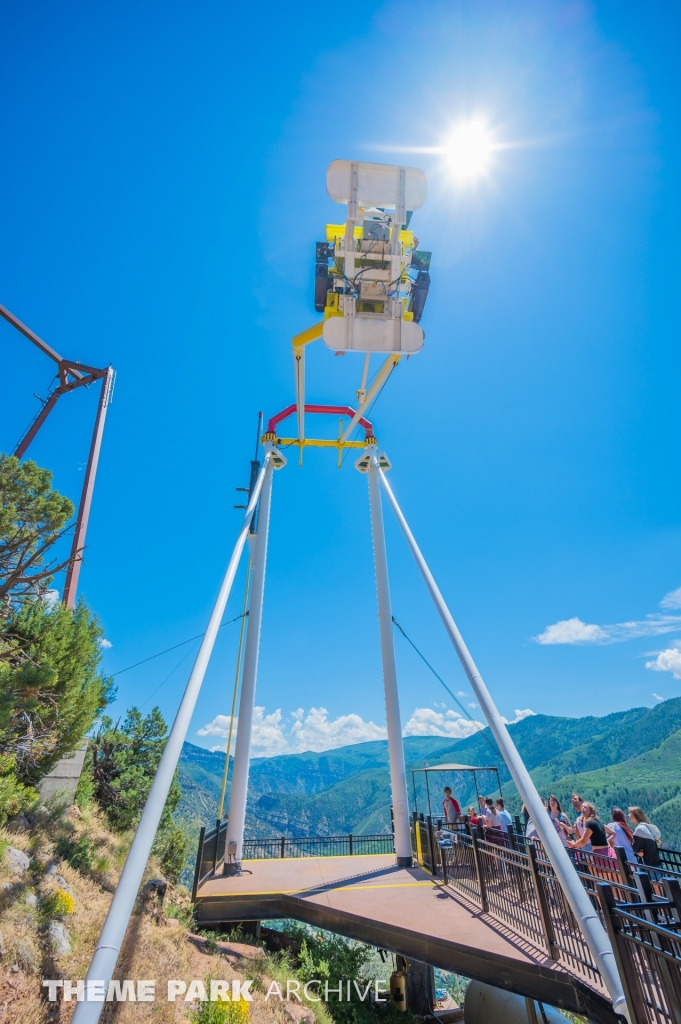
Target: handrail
511, 878
211, 851
647, 944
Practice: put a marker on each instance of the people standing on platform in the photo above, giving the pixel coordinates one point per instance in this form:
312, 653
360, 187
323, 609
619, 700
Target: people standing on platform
530, 827
578, 803
506, 818
492, 816
560, 820
646, 838
620, 835
472, 816
593, 832
450, 807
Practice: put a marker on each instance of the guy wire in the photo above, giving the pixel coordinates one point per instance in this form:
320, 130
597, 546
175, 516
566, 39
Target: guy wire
455, 699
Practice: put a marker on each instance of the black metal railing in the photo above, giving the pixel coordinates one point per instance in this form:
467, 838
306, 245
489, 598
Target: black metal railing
317, 846
670, 859
511, 878
211, 851
646, 940
519, 887
592, 869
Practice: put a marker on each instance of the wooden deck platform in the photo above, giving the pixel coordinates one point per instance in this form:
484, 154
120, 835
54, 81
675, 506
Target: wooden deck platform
404, 910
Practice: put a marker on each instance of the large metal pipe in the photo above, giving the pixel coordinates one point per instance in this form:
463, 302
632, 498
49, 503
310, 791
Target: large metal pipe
237, 673
242, 751
398, 774
486, 1004
593, 930
80, 532
381, 377
105, 956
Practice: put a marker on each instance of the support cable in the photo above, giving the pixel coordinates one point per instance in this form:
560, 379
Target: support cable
171, 673
482, 732
594, 933
175, 646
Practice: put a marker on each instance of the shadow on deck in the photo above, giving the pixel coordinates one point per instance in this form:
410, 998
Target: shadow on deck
404, 910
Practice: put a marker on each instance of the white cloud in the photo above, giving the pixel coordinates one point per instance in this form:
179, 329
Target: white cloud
657, 697
519, 715
106, 644
672, 599
574, 631
267, 736
570, 631
427, 722
667, 661
51, 598
316, 732
311, 731
218, 727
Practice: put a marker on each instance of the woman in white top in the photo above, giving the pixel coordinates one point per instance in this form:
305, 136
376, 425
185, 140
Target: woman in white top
559, 819
492, 816
646, 838
506, 818
619, 834
578, 803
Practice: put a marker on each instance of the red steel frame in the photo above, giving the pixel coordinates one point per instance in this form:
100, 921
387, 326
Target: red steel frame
337, 410
72, 375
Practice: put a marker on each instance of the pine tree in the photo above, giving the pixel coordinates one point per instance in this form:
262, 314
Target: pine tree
120, 768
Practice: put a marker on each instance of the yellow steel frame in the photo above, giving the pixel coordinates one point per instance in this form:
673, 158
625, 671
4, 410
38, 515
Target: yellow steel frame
313, 442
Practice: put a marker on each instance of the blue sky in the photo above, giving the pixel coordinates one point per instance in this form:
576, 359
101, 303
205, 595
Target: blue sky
161, 191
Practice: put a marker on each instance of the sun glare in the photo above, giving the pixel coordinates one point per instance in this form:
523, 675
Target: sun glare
469, 151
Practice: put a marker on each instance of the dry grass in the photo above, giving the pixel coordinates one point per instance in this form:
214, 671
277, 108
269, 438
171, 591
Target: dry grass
153, 948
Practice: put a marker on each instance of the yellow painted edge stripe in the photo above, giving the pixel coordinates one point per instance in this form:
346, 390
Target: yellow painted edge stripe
334, 856
324, 887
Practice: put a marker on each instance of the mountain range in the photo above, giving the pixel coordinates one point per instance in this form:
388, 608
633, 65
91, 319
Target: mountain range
628, 757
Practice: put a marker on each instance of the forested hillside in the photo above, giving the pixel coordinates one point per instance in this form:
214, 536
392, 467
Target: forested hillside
619, 759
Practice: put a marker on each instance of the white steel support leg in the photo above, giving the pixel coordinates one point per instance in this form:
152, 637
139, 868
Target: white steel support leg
592, 929
381, 377
109, 945
398, 775
242, 750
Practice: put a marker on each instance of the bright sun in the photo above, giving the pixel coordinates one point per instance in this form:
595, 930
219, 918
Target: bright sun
468, 151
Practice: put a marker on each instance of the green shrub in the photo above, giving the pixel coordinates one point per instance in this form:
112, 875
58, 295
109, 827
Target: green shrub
183, 914
78, 850
170, 847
